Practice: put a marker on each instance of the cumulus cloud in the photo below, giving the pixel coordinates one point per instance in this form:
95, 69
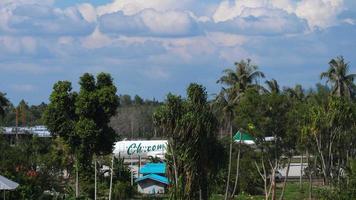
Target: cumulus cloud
317, 13
260, 21
37, 20
149, 22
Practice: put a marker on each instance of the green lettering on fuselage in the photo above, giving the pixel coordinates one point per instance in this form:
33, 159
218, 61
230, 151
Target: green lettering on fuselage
135, 148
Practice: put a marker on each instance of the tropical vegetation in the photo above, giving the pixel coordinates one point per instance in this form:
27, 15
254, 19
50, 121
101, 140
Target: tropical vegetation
203, 159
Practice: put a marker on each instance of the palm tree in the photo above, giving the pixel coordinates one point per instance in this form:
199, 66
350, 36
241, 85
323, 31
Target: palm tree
337, 74
273, 87
296, 93
237, 81
4, 102
226, 105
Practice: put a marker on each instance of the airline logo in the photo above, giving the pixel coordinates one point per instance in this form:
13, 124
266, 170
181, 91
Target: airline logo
138, 148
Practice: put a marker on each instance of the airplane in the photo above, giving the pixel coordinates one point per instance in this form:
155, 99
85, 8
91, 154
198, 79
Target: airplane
140, 148
133, 149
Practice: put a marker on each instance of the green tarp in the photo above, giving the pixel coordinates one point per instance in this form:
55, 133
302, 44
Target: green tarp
244, 138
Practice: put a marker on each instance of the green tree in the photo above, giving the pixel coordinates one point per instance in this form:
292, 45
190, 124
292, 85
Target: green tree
342, 83
191, 127
4, 102
60, 119
265, 115
82, 119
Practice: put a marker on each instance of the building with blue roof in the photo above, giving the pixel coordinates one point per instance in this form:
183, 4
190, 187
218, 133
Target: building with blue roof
152, 179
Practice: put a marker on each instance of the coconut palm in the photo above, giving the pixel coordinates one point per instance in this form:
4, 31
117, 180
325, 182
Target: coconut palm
296, 93
4, 102
272, 87
224, 103
342, 83
244, 76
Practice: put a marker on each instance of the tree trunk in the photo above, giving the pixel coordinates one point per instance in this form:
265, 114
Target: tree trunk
175, 171
301, 172
229, 165
285, 179
111, 175
274, 183
237, 169
263, 176
323, 166
95, 181
310, 176
76, 178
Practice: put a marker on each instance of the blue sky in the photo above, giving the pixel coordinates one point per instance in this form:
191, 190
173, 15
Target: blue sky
152, 47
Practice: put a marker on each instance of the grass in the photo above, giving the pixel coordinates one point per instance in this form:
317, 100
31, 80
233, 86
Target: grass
292, 192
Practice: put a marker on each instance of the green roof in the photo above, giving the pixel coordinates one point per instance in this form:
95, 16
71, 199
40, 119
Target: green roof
245, 136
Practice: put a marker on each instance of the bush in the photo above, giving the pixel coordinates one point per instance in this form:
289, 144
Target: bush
123, 190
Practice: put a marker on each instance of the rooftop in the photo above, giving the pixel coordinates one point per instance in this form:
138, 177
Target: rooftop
153, 168
154, 177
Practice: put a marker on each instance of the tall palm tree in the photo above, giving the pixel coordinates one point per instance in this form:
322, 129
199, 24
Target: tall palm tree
238, 80
3, 103
337, 74
224, 103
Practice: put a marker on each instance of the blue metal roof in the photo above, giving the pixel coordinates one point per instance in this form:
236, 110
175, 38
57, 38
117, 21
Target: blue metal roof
153, 168
154, 177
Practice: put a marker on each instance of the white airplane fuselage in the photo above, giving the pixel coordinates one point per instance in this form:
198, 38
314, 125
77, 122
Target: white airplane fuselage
140, 148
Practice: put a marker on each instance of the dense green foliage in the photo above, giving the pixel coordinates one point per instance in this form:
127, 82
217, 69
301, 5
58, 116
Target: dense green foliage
190, 127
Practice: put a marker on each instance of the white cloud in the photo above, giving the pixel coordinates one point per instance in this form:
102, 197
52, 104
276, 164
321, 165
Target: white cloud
350, 21
149, 23
174, 23
21, 2
132, 7
96, 40
38, 19
88, 12
318, 13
